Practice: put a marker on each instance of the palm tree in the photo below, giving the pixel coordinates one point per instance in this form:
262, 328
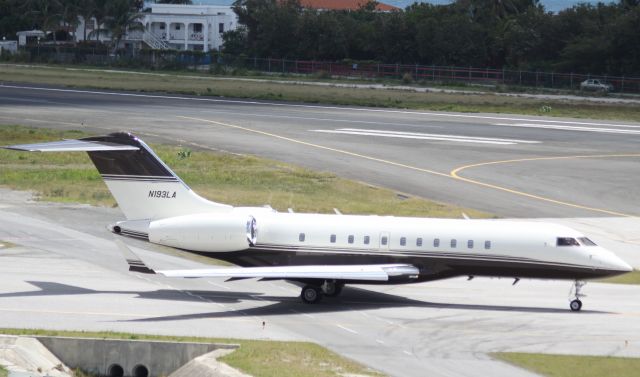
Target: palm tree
47, 14
100, 10
122, 16
69, 13
86, 10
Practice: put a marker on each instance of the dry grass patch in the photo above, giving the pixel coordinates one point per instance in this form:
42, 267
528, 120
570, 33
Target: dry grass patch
572, 366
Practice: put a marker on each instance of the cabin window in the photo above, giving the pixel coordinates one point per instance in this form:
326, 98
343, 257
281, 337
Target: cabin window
419, 242
470, 244
436, 242
454, 243
301, 237
332, 238
350, 238
586, 242
567, 241
403, 241
384, 240
366, 240
487, 245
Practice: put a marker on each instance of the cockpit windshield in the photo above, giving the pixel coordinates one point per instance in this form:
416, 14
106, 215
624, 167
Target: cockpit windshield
586, 242
567, 241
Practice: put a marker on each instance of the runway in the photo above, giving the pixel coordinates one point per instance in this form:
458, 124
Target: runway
67, 273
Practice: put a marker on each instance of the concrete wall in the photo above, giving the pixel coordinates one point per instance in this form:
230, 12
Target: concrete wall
98, 356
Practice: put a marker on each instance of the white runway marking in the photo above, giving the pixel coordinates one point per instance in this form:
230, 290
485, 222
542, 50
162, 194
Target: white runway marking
560, 127
347, 329
423, 136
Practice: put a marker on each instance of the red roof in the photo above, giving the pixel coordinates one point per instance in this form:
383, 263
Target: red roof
344, 5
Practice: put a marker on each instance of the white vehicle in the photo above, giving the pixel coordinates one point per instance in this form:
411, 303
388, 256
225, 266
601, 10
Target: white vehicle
325, 252
596, 85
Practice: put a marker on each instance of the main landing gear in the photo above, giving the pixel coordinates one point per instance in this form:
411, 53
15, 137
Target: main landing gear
575, 305
312, 294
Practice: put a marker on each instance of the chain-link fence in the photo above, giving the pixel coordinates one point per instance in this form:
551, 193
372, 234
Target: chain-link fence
216, 62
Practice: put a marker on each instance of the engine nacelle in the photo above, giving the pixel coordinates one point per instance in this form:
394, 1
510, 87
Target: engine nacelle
207, 232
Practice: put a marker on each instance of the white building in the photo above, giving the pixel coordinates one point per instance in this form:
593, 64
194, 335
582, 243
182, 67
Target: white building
179, 27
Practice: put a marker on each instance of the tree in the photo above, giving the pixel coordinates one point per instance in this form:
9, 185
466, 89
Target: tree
87, 10
12, 18
122, 16
100, 11
46, 15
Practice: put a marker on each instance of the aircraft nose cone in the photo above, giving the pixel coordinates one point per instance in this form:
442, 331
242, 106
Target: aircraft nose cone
616, 264
624, 266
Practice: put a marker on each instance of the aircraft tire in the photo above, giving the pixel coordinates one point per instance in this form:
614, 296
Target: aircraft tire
575, 305
334, 291
311, 294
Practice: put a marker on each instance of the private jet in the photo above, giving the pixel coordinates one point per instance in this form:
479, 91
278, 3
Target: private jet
323, 252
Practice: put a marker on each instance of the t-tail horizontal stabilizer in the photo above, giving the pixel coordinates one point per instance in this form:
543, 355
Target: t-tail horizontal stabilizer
143, 185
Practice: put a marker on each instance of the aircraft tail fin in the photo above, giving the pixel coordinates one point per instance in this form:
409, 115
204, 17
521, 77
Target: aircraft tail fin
143, 186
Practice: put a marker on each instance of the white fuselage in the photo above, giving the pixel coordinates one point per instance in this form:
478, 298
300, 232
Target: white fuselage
470, 247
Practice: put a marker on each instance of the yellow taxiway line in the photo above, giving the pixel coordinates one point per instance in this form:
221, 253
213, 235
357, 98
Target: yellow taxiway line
454, 174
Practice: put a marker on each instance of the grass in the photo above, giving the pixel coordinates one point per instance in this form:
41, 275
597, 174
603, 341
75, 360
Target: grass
210, 85
6, 244
573, 366
632, 277
227, 178
3, 371
258, 358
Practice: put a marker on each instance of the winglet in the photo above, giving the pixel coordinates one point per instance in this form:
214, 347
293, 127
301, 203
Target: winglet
135, 263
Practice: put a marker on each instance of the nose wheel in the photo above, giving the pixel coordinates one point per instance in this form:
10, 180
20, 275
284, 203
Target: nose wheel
576, 305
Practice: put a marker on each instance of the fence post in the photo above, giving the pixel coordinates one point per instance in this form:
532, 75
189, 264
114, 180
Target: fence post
537, 74
571, 80
269, 60
502, 75
552, 79
416, 72
433, 71
520, 78
283, 66
622, 85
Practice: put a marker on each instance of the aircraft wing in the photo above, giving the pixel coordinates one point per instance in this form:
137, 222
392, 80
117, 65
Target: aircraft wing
72, 146
368, 272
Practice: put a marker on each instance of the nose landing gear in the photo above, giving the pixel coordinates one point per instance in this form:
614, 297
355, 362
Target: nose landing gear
575, 304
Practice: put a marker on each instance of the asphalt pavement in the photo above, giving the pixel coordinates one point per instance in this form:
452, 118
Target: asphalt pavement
66, 273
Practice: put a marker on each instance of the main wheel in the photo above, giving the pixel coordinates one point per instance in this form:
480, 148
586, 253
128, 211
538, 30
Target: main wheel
311, 294
332, 289
575, 305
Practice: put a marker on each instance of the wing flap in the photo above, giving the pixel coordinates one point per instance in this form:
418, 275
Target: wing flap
72, 146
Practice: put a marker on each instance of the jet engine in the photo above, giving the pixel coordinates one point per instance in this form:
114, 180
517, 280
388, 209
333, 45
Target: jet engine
207, 232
